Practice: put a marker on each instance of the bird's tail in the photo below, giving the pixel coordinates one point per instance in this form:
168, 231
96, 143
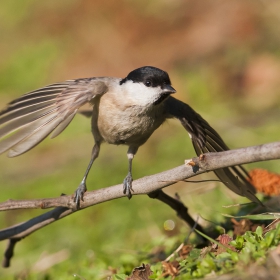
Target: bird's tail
205, 139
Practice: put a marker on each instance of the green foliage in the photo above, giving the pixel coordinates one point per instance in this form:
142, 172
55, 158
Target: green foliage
246, 249
249, 248
49, 41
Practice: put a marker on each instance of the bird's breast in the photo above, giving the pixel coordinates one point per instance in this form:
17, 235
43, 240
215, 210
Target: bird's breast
126, 124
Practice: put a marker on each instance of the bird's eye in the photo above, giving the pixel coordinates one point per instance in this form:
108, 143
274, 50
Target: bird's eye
148, 83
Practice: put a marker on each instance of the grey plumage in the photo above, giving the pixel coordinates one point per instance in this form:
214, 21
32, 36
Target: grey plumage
125, 111
205, 139
38, 113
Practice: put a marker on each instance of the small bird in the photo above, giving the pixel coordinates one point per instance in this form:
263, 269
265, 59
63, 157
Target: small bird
125, 111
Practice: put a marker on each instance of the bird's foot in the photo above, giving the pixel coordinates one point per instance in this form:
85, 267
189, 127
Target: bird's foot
127, 185
79, 194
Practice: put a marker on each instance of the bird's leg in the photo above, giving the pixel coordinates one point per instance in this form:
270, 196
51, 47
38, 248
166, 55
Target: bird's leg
127, 182
79, 193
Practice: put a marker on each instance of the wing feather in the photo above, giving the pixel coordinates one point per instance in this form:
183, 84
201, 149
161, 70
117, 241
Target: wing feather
63, 125
29, 119
35, 137
21, 134
205, 139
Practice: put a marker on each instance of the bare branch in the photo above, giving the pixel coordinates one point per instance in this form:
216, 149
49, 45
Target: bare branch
205, 163
65, 205
212, 161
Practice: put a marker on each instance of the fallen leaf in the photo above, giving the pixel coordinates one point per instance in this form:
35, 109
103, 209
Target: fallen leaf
141, 272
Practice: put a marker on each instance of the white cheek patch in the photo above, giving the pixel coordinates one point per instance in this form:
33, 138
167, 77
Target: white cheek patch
139, 94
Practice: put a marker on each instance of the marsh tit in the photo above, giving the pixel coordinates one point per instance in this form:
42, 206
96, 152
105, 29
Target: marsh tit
124, 112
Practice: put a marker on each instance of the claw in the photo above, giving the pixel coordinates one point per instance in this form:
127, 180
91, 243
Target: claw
79, 194
127, 186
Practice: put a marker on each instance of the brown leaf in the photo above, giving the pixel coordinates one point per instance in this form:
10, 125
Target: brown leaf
224, 239
265, 181
185, 251
170, 268
240, 227
141, 272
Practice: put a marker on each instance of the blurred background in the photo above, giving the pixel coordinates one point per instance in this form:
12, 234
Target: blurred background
223, 59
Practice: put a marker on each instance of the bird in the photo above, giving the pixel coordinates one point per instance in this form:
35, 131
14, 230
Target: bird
124, 111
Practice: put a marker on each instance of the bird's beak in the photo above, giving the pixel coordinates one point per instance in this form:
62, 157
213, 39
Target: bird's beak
168, 89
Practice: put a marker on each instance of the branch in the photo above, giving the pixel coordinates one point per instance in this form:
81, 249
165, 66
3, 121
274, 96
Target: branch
205, 163
65, 205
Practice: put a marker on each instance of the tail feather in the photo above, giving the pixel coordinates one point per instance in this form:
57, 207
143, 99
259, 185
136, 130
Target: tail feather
205, 139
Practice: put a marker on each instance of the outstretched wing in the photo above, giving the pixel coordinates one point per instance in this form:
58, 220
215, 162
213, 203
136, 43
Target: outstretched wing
26, 121
206, 139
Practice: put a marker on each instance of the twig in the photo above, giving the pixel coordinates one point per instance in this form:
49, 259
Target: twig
65, 205
207, 162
